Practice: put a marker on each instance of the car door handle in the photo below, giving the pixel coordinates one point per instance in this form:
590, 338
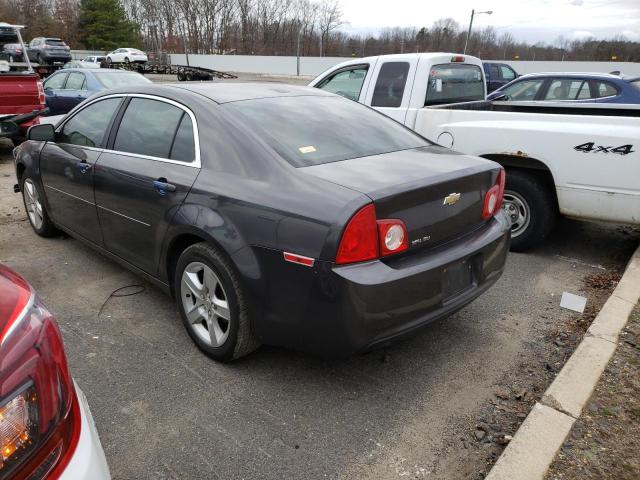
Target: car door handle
162, 187
84, 167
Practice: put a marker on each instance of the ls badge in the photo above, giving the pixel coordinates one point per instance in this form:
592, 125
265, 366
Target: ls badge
451, 199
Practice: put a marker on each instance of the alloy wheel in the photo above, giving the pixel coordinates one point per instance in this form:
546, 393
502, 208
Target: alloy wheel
33, 204
205, 304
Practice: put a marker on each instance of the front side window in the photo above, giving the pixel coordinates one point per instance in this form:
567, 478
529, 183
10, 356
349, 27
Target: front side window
347, 83
75, 82
454, 82
507, 73
567, 89
151, 127
88, 127
390, 84
310, 130
523, 91
55, 82
605, 89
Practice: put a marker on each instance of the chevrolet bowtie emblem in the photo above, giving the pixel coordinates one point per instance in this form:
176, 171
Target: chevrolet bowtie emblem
451, 199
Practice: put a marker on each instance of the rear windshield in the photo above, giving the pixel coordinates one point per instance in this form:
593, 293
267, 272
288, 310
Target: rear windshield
454, 82
113, 79
313, 130
55, 42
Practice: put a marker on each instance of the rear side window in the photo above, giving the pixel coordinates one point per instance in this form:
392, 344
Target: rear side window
566, 89
606, 89
183, 148
55, 81
454, 82
89, 126
76, 81
149, 127
347, 83
390, 84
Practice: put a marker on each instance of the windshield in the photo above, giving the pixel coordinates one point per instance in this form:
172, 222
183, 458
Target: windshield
113, 79
311, 130
454, 82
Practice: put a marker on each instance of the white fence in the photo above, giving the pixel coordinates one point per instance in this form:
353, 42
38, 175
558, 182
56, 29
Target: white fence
313, 66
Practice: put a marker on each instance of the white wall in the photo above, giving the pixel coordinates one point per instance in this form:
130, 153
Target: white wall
315, 65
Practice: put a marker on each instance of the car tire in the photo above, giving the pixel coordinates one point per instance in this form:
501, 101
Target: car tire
109, 62
205, 281
531, 206
126, 60
36, 211
39, 60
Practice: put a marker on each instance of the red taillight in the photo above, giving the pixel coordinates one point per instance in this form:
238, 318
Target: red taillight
367, 238
39, 411
41, 97
493, 198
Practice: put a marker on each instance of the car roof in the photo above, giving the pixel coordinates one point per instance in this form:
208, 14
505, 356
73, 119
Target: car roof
571, 75
237, 91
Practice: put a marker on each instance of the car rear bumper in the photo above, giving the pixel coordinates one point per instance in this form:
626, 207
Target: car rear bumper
340, 310
88, 461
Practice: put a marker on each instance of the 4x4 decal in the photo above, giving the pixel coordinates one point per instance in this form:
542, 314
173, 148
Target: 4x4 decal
591, 147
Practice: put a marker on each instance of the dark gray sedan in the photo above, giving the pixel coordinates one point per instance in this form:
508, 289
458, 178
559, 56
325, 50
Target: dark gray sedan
273, 214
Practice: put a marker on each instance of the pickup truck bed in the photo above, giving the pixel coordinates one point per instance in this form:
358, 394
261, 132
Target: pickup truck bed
21, 101
580, 160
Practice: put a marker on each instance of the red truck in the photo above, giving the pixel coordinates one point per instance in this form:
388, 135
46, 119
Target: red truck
22, 98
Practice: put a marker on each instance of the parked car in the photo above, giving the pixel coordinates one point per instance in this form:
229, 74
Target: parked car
400, 85
8, 33
46, 427
274, 214
126, 55
45, 50
68, 87
94, 59
498, 75
574, 87
80, 64
12, 52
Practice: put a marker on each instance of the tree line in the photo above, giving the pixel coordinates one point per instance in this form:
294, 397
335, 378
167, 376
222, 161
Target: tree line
275, 27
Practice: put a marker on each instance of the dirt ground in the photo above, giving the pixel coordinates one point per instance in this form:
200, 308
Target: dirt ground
604, 443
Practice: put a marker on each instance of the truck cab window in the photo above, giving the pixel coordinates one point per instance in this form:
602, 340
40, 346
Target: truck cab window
507, 73
390, 85
347, 83
454, 82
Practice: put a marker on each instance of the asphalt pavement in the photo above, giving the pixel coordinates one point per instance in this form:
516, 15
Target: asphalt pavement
166, 411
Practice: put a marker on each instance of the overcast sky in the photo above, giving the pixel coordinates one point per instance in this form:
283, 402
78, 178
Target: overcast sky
528, 20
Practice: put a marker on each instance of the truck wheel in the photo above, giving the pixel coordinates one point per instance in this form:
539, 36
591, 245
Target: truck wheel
212, 304
188, 76
181, 77
531, 207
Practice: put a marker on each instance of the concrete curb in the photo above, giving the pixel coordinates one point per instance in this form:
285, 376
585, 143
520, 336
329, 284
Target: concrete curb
537, 441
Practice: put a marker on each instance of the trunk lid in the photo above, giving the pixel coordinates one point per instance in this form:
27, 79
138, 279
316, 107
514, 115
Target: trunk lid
437, 193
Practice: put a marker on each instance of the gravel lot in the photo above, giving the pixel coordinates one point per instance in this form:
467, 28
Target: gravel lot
165, 411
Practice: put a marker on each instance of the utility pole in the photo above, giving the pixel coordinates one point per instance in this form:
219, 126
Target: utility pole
473, 13
298, 50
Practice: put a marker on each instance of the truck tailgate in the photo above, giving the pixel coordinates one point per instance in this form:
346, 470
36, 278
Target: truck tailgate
19, 93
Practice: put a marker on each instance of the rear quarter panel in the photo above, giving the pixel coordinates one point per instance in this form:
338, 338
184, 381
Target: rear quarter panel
591, 182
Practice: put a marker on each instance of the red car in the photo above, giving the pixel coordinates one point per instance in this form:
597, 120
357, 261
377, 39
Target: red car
46, 429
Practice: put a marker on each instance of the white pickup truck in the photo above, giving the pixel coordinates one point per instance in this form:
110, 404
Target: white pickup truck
580, 160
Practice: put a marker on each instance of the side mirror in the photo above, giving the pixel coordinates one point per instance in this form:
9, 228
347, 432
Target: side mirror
9, 129
497, 96
43, 132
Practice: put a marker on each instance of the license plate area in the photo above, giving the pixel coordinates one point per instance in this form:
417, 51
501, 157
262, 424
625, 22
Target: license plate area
456, 279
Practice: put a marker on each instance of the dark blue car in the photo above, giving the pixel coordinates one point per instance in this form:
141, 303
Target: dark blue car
68, 87
576, 87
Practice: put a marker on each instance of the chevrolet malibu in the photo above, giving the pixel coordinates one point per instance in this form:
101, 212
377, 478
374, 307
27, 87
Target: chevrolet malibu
46, 428
273, 214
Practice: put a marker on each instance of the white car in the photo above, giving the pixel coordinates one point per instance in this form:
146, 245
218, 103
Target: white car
127, 55
46, 427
